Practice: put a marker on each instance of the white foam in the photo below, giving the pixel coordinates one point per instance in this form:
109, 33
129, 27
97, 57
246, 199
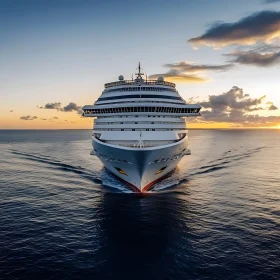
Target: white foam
174, 179
112, 182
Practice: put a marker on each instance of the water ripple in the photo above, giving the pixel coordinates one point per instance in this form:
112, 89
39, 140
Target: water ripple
63, 216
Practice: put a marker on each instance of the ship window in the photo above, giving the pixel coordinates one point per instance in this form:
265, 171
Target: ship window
160, 171
138, 96
121, 171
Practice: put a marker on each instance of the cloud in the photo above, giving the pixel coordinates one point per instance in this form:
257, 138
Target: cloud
178, 76
11, 111
72, 107
271, 1
28, 118
255, 109
272, 107
259, 27
185, 71
68, 108
188, 67
255, 58
55, 105
236, 108
234, 99
43, 119
192, 100
53, 119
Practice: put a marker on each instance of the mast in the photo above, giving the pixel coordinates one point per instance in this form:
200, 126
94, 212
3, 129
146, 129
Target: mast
139, 73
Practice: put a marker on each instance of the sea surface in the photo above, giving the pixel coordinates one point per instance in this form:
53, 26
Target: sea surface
62, 216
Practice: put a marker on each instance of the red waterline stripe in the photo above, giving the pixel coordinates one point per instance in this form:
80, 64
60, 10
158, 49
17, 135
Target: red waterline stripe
147, 187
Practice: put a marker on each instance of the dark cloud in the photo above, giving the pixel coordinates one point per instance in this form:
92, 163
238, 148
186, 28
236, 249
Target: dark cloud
55, 105
44, 119
11, 111
271, 1
188, 67
255, 58
234, 98
72, 107
262, 26
236, 108
28, 118
272, 107
255, 109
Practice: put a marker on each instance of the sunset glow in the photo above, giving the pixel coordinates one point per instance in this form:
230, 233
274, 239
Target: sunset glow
56, 57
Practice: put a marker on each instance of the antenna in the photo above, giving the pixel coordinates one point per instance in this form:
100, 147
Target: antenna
139, 74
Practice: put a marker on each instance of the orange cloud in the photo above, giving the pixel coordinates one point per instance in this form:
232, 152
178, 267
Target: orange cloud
176, 76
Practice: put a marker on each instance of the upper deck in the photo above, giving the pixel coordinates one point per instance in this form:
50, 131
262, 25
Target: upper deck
139, 82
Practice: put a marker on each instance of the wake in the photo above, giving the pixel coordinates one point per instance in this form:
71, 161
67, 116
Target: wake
224, 161
83, 172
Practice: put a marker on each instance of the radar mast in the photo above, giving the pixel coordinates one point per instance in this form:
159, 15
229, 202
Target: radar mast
139, 73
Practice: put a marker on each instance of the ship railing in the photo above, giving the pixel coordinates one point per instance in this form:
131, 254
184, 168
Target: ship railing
137, 82
144, 144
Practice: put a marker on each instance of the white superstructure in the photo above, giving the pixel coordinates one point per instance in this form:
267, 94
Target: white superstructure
140, 132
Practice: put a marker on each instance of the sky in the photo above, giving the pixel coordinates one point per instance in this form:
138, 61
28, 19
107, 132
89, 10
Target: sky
56, 56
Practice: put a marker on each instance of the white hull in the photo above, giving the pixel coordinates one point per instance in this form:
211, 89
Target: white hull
140, 131
140, 167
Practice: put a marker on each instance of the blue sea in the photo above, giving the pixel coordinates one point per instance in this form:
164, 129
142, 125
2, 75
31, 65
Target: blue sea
62, 216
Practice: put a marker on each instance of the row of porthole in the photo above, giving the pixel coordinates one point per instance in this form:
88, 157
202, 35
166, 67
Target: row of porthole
167, 159
141, 109
112, 159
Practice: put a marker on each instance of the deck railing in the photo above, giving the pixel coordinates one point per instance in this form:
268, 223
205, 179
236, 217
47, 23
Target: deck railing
137, 82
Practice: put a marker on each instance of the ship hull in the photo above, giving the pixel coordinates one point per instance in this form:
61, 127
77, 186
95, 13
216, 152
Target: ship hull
140, 168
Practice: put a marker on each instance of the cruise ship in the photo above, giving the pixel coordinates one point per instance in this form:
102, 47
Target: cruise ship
140, 132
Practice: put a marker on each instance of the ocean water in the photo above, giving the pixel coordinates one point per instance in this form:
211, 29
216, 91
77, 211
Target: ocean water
62, 216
